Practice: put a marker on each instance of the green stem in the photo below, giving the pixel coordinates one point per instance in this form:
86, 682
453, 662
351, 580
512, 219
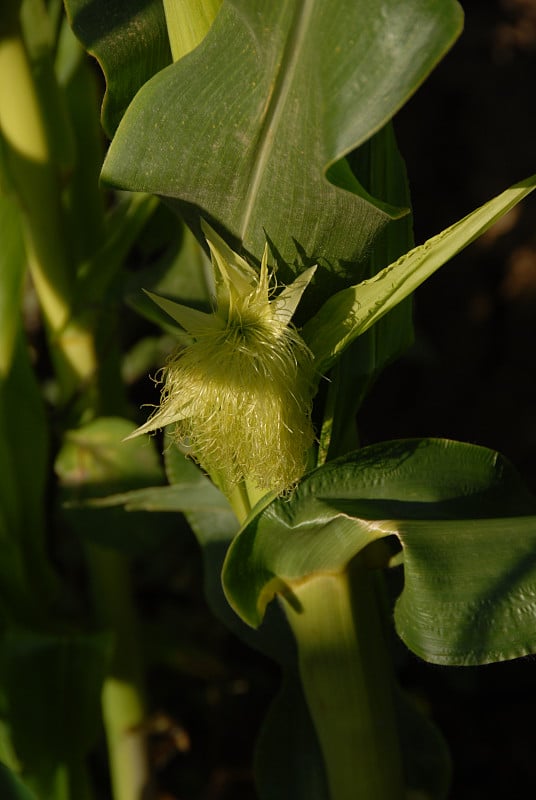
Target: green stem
346, 674
123, 702
32, 172
188, 23
239, 500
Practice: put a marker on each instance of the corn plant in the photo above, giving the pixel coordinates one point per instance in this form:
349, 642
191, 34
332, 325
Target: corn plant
254, 143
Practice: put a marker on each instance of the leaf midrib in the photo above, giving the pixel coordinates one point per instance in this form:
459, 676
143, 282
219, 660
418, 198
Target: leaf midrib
275, 105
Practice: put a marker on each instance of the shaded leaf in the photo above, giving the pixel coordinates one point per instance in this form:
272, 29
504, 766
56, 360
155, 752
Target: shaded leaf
95, 460
380, 163
288, 759
182, 273
53, 684
11, 787
24, 442
130, 41
182, 498
12, 271
467, 527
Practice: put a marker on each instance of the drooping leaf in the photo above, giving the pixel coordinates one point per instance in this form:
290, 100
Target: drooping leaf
130, 41
351, 312
466, 524
243, 129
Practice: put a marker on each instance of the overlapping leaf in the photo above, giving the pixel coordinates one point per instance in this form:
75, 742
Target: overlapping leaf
244, 128
466, 524
350, 312
129, 39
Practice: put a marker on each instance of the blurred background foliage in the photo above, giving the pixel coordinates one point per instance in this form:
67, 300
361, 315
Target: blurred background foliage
471, 375
465, 135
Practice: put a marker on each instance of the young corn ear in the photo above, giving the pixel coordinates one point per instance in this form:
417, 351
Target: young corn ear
239, 397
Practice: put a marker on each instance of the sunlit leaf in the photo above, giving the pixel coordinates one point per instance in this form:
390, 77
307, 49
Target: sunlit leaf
466, 524
243, 130
351, 312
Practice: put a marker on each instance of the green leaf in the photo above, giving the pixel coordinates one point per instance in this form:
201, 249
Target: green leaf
380, 161
289, 763
466, 524
24, 441
95, 461
52, 684
244, 129
288, 759
11, 788
183, 272
130, 41
12, 271
188, 23
84, 201
183, 498
349, 313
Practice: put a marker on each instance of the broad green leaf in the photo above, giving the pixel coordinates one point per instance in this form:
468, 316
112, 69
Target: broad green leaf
95, 460
243, 130
464, 520
351, 312
130, 41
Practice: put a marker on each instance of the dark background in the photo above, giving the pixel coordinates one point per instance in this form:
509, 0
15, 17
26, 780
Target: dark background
466, 135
